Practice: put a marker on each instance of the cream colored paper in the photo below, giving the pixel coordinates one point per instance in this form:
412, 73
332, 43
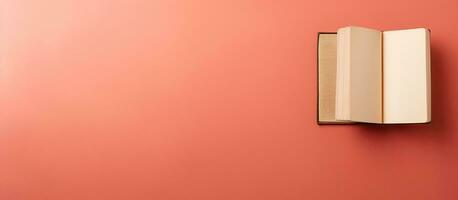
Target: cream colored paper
359, 75
406, 76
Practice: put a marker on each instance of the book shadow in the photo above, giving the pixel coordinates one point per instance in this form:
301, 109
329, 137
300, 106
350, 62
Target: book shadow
440, 127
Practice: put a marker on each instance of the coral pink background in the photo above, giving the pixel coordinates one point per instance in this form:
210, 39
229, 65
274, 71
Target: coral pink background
164, 100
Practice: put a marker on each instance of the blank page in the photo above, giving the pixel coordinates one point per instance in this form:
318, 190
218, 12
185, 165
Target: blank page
359, 74
406, 76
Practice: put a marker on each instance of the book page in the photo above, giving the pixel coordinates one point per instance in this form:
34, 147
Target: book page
406, 74
360, 62
342, 110
327, 77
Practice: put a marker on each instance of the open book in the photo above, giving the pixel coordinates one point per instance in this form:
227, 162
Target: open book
380, 76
